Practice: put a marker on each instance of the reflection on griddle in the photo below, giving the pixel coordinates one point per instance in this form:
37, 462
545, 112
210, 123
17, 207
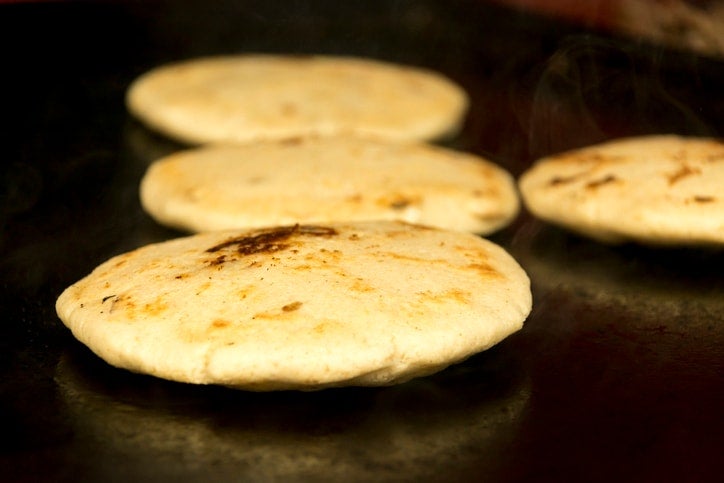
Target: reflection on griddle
145, 146
650, 283
432, 426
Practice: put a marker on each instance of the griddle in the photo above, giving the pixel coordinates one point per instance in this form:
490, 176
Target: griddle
618, 374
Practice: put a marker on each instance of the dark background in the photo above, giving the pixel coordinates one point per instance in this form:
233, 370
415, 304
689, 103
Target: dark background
617, 374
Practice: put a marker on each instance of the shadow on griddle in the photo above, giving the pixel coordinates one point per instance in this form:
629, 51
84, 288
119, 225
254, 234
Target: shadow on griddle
655, 282
451, 419
146, 145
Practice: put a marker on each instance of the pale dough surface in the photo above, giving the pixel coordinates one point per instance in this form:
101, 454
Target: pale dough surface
300, 307
660, 189
247, 98
321, 180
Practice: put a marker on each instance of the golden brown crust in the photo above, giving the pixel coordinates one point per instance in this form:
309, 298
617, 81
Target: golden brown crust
652, 189
321, 180
300, 306
254, 97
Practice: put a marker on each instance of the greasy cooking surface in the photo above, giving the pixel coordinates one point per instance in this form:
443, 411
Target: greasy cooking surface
617, 374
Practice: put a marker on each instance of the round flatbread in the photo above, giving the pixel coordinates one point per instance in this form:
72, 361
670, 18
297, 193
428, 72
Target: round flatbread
655, 189
300, 307
321, 180
251, 97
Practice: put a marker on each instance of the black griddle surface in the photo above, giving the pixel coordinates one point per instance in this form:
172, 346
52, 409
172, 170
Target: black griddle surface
616, 376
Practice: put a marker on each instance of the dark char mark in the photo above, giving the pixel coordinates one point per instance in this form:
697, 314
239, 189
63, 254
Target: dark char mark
272, 240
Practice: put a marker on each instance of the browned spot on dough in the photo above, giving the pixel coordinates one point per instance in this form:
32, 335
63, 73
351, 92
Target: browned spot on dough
219, 324
485, 268
592, 162
600, 182
289, 109
123, 301
561, 180
310, 256
278, 314
117, 300
155, 307
453, 294
489, 192
682, 173
269, 315
361, 285
578, 157
330, 254
130, 309
292, 306
715, 157
291, 141
398, 201
244, 292
217, 261
409, 258
203, 287
255, 180
191, 194
268, 241
302, 267
704, 199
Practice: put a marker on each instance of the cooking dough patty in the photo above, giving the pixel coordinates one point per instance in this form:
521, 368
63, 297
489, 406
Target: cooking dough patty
301, 306
321, 180
246, 98
661, 189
